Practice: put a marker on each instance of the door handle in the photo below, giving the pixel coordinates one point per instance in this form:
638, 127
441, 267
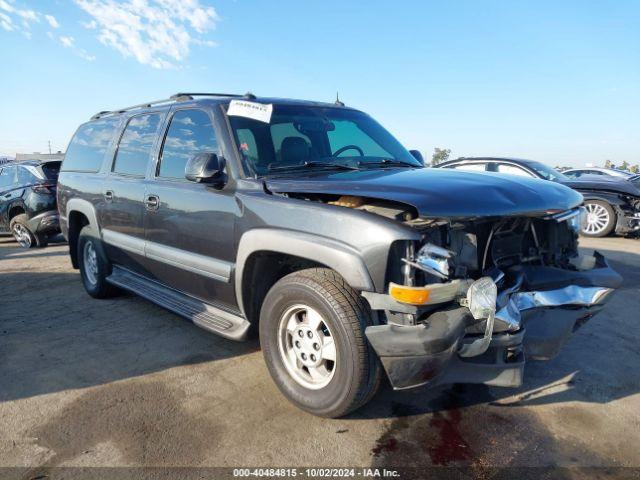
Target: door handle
152, 202
108, 196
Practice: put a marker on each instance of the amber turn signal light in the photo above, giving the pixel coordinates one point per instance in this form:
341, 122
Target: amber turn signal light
411, 295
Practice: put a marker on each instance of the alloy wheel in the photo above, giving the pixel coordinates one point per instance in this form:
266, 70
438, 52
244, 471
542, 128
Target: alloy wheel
22, 235
597, 218
307, 347
90, 259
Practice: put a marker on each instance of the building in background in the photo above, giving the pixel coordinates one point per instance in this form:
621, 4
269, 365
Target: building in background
21, 157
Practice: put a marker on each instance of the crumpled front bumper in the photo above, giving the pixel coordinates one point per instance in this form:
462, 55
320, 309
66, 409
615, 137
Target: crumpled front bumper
534, 317
46, 223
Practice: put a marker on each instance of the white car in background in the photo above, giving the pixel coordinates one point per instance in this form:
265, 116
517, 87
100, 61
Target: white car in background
611, 172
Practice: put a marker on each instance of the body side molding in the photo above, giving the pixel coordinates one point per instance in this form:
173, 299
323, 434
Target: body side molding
192, 262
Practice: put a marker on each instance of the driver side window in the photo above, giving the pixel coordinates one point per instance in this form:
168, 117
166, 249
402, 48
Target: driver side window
347, 133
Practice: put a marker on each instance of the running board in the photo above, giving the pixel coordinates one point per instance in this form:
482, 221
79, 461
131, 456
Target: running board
204, 315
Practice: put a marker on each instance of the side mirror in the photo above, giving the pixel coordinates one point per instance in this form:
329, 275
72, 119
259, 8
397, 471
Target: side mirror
204, 168
417, 155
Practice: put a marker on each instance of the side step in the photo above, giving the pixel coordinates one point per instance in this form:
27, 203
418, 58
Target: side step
204, 315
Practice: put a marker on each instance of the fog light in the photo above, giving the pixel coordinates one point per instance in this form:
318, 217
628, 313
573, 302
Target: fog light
411, 295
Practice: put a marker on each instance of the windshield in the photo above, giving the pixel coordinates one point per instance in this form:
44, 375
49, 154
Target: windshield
547, 172
318, 137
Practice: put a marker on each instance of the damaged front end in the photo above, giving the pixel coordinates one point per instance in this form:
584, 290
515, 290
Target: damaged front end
477, 296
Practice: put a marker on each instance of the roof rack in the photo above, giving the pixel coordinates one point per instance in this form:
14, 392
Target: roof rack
178, 97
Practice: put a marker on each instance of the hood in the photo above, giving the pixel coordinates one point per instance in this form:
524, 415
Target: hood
609, 184
439, 193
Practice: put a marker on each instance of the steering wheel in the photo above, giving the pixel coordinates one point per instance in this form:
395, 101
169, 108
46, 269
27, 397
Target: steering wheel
348, 147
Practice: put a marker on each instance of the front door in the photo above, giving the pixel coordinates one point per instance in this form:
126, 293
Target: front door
122, 212
190, 226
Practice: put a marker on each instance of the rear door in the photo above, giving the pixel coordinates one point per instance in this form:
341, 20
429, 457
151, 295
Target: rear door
190, 226
122, 213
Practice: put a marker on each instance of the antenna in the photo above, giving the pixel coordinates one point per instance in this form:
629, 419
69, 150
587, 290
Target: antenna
338, 102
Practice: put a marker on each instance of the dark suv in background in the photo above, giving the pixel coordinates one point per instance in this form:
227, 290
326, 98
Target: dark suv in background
612, 205
311, 224
28, 201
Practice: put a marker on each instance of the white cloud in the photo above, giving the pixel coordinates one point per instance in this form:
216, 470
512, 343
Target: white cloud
70, 43
67, 42
52, 21
10, 14
158, 33
6, 22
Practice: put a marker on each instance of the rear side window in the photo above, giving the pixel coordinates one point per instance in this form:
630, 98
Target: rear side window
135, 145
7, 176
190, 132
89, 145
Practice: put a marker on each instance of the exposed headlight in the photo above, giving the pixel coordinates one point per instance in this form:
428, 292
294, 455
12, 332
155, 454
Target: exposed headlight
579, 221
434, 260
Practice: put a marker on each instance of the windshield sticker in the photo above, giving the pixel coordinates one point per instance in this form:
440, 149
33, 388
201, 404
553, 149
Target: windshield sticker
257, 111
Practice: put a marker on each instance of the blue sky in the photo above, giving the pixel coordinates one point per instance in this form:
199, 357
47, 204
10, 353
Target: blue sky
558, 81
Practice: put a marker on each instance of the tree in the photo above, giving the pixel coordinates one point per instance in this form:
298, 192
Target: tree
625, 166
635, 169
608, 164
440, 155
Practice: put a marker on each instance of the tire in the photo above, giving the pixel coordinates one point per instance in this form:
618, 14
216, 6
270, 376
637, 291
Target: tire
321, 305
94, 265
601, 219
23, 235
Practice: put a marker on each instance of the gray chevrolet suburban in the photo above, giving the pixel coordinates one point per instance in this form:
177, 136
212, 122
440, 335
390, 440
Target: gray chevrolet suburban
311, 225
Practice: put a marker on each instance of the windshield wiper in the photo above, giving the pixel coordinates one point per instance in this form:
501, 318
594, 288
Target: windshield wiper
311, 164
386, 162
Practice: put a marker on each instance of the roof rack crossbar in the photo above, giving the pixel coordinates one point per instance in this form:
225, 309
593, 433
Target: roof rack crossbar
174, 98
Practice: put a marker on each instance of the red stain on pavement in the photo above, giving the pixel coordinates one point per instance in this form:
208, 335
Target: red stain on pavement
450, 446
387, 446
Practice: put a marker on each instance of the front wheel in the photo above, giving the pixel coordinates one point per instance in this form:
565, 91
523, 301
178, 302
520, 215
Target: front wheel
601, 219
312, 336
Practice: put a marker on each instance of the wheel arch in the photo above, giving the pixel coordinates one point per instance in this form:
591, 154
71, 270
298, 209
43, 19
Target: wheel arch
270, 254
15, 209
79, 214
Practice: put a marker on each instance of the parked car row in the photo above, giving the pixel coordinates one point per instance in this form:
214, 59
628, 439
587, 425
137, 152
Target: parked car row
28, 201
612, 202
310, 224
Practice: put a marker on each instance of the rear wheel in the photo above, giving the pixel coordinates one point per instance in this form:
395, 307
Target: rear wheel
94, 265
23, 234
601, 219
312, 336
